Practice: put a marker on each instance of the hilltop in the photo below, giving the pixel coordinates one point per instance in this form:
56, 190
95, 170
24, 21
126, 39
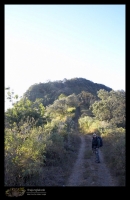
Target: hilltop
50, 91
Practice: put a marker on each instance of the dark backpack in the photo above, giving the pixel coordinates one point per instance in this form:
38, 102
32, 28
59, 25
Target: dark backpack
101, 142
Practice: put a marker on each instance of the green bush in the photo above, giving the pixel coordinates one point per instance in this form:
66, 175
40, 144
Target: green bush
24, 153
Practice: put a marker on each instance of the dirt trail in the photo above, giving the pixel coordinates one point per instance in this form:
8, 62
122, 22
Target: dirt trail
88, 173
77, 174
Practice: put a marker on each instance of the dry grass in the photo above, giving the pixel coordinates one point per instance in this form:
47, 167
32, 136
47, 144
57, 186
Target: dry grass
114, 154
57, 172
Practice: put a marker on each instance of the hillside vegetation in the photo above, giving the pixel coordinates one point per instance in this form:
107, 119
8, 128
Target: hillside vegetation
42, 130
50, 91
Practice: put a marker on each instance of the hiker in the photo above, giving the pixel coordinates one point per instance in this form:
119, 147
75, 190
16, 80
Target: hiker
95, 147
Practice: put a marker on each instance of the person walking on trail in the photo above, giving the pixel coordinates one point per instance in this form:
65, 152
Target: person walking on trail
95, 147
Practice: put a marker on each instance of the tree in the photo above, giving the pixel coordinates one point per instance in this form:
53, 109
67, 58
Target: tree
63, 106
111, 107
86, 98
24, 109
61, 96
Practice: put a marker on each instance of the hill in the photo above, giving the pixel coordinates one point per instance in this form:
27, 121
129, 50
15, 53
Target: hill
50, 91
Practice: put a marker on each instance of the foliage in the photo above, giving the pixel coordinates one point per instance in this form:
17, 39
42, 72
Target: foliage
88, 124
114, 152
63, 106
111, 107
33, 145
24, 109
61, 96
87, 98
24, 153
50, 91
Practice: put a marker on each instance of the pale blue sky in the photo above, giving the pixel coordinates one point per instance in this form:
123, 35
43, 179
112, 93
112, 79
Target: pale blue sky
53, 42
